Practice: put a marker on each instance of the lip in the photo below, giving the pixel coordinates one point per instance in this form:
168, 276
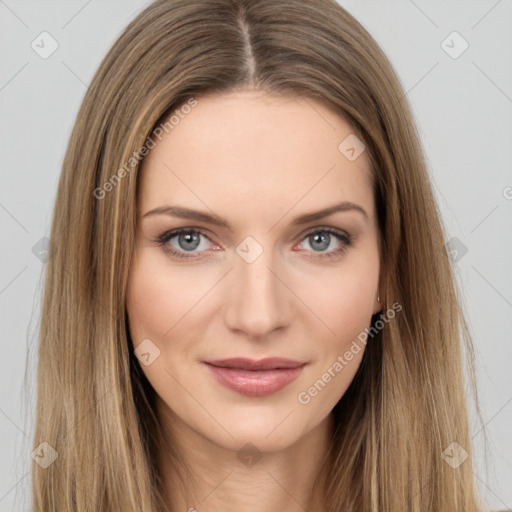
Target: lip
255, 378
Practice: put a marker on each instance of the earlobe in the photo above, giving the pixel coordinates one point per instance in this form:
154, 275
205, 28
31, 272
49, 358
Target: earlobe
377, 306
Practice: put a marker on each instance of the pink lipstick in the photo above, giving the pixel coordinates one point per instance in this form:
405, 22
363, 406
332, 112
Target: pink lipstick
255, 377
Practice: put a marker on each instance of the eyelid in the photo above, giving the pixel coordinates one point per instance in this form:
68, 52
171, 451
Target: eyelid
329, 229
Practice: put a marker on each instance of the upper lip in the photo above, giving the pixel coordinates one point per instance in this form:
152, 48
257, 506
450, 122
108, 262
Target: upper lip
243, 363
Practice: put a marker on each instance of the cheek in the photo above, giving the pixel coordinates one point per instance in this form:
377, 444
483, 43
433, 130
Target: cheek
145, 303
344, 304
157, 299
343, 299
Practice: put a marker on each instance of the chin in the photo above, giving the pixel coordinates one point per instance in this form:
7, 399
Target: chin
269, 427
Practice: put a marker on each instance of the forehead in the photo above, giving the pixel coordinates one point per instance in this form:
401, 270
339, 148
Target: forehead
257, 153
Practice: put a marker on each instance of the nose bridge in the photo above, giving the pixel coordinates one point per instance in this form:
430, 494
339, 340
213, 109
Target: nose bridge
257, 299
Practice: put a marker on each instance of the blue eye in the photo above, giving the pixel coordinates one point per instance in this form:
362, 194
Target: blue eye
320, 239
190, 239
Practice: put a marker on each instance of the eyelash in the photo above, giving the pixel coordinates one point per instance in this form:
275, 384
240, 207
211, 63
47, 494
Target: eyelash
343, 237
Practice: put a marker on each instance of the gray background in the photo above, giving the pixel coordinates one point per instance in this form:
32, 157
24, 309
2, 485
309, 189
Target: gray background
462, 106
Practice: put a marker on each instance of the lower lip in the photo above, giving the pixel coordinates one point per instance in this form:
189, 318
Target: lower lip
255, 383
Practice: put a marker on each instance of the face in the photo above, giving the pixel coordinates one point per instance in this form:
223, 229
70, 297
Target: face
227, 265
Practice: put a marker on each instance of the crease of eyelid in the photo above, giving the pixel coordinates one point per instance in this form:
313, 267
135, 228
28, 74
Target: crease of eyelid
186, 213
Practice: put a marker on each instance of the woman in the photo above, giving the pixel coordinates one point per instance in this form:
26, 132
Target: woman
248, 304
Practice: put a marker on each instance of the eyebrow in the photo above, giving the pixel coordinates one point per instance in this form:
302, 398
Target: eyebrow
187, 213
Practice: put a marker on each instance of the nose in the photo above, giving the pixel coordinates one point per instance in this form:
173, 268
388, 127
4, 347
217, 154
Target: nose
258, 302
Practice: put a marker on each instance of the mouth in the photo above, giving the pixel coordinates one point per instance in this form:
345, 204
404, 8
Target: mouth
255, 378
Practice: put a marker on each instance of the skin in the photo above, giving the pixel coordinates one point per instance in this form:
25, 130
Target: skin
257, 161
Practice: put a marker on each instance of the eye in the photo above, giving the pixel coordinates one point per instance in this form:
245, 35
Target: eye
321, 239
187, 241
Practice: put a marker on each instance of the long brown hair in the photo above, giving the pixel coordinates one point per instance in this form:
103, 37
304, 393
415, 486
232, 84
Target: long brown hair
406, 404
